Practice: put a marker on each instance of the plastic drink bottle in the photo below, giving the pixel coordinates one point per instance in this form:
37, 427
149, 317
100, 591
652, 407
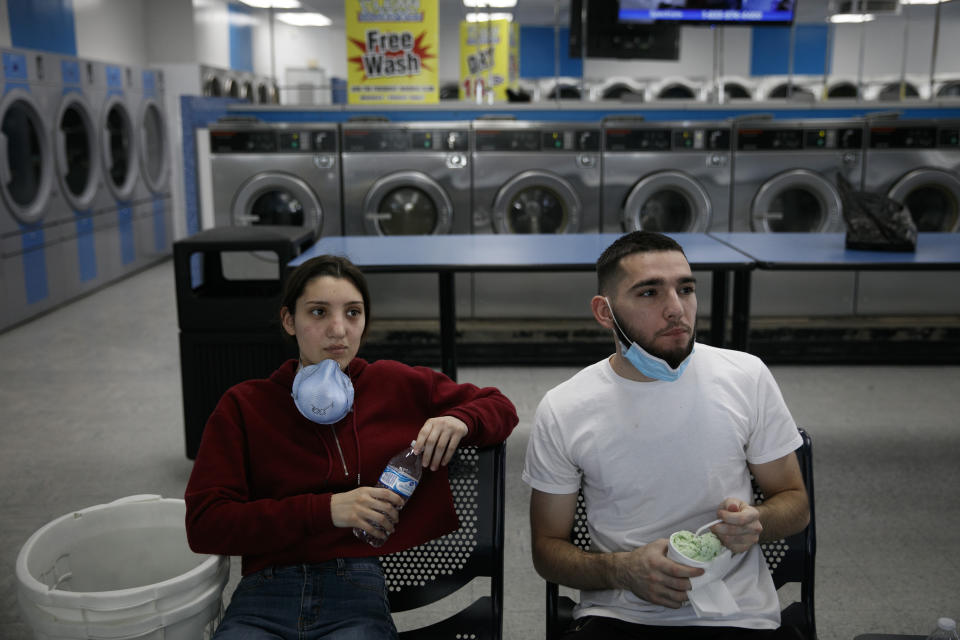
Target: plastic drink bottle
401, 475
946, 630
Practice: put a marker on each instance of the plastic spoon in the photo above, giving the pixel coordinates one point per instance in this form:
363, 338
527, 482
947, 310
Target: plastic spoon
707, 526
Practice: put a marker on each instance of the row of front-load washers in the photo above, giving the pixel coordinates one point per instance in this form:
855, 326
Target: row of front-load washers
544, 177
84, 177
501, 176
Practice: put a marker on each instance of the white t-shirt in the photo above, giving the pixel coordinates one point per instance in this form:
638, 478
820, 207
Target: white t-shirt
657, 457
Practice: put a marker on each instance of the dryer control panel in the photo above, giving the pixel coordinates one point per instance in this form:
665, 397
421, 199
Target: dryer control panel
914, 138
272, 141
664, 139
811, 139
538, 140
404, 140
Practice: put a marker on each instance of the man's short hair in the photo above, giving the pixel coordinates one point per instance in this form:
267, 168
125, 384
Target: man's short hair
608, 264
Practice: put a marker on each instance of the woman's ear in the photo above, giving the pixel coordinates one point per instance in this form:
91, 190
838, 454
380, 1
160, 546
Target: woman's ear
286, 319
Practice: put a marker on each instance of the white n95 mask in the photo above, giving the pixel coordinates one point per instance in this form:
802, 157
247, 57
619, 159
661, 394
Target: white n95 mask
322, 392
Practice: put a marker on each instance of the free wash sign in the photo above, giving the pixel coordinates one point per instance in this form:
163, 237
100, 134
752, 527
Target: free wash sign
392, 51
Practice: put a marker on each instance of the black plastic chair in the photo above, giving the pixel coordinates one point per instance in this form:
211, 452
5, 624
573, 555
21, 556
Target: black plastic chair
425, 574
789, 560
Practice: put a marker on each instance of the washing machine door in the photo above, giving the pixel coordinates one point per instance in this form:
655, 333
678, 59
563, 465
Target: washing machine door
119, 149
407, 203
932, 196
667, 201
26, 165
798, 200
75, 148
154, 160
536, 202
275, 198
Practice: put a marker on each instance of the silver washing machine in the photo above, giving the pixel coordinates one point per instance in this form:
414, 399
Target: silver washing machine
153, 207
535, 177
276, 174
27, 184
407, 178
784, 180
118, 154
81, 189
285, 174
916, 163
667, 177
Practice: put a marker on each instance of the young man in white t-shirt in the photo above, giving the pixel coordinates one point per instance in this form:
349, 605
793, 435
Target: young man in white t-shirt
662, 436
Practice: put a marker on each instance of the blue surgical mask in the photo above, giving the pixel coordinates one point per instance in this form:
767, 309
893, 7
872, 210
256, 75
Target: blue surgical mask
647, 364
322, 392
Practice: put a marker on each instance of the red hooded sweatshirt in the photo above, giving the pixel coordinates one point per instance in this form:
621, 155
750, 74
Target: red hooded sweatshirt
264, 474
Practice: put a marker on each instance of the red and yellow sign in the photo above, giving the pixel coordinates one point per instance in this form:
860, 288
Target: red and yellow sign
392, 51
489, 58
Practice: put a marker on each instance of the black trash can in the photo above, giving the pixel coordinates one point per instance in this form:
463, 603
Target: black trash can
229, 282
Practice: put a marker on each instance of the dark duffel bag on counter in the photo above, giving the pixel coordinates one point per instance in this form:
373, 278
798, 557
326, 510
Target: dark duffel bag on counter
876, 222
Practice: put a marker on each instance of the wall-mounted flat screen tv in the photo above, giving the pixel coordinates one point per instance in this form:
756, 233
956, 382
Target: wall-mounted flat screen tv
707, 11
596, 31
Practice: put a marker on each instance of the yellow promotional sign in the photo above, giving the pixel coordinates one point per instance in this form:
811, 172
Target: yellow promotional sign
392, 51
489, 58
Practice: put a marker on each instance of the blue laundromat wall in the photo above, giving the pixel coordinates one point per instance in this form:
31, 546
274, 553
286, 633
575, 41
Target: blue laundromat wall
241, 38
46, 25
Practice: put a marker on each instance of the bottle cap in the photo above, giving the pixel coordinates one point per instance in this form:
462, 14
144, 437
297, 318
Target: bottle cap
947, 624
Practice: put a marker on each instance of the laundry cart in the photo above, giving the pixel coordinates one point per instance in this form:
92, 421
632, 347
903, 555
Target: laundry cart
229, 321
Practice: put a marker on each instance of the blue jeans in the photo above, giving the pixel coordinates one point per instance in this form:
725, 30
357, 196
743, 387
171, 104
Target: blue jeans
342, 599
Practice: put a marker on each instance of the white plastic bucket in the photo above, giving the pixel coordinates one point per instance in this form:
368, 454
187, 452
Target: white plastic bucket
121, 570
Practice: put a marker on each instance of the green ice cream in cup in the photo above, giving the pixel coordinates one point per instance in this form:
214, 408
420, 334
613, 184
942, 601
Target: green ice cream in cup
702, 548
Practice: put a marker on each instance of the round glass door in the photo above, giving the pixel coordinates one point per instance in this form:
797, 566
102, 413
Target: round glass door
118, 149
796, 201
668, 202
76, 153
407, 203
212, 87
933, 198
536, 202
277, 199
153, 149
276, 207
26, 168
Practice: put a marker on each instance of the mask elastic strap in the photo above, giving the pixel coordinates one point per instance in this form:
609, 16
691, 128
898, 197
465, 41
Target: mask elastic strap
621, 335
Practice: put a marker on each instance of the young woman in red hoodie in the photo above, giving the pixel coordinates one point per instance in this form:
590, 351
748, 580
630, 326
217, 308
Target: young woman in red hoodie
284, 491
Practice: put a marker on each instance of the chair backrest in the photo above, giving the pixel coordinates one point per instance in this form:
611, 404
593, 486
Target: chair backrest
427, 573
789, 560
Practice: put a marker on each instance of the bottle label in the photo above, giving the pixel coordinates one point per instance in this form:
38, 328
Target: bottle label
399, 482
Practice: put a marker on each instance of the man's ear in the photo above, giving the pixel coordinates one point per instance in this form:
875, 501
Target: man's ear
601, 312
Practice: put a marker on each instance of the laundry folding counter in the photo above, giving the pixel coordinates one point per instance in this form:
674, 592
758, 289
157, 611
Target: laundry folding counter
827, 251
446, 255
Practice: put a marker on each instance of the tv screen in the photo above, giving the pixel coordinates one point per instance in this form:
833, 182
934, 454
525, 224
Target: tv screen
707, 11
602, 35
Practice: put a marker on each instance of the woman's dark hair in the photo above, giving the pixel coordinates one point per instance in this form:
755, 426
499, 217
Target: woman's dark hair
608, 265
326, 265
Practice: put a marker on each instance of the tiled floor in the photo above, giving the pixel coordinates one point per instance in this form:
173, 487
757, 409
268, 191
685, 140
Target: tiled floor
91, 411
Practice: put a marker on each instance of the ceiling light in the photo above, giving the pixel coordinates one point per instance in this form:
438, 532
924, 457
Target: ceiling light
490, 4
305, 19
848, 18
273, 4
922, 1
489, 17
